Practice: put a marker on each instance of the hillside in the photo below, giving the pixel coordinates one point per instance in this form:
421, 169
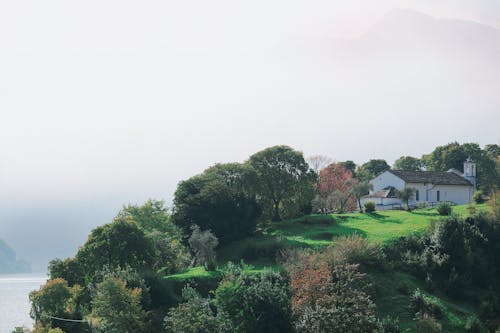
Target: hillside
9, 264
392, 288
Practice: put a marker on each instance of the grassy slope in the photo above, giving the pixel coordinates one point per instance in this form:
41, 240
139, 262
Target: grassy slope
393, 289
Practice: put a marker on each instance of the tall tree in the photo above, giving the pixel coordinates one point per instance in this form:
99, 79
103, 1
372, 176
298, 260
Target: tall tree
117, 309
318, 162
408, 163
359, 190
335, 186
220, 199
375, 167
281, 172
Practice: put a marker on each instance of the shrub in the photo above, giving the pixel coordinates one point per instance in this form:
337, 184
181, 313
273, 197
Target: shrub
444, 209
354, 249
369, 206
388, 325
428, 324
474, 325
203, 244
258, 303
478, 197
425, 306
196, 315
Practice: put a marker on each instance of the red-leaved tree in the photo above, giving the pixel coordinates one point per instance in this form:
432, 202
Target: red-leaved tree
336, 187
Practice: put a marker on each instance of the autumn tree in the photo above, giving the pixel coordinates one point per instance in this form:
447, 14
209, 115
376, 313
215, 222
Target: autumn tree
281, 173
335, 187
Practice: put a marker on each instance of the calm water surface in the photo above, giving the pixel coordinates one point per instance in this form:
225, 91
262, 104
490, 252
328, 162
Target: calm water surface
14, 303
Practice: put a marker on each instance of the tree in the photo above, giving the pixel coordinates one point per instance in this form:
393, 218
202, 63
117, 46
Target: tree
220, 199
351, 166
203, 244
117, 309
196, 315
335, 187
56, 299
408, 163
256, 303
318, 162
359, 190
281, 172
118, 244
405, 195
375, 167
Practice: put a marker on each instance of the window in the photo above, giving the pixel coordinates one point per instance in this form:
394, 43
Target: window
438, 196
417, 195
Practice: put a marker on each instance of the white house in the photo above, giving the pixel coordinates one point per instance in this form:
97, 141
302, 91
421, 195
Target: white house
430, 186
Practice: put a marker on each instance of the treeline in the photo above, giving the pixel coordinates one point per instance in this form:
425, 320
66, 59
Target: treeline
116, 281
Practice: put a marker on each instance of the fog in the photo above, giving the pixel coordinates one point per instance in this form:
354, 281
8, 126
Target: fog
104, 103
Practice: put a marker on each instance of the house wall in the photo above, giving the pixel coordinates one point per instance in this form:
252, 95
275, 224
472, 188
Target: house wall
382, 203
386, 179
458, 194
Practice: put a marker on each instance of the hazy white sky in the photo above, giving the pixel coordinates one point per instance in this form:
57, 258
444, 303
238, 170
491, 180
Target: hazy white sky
107, 102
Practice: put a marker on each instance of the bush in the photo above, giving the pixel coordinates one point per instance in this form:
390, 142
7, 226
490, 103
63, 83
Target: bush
196, 315
444, 209
369, 206
258, 303
203, 244
474, 325
428, 324
354, 249
425, 306
388, 325
478, 197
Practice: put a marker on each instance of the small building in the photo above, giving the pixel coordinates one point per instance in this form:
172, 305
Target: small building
430, 187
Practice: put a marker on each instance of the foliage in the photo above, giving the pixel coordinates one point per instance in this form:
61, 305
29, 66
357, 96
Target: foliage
428, 325
474, 325
203, 244
281, 173
478, 197
369, 206
336, 188
359, 190
354, 249
494, 204
388, 325
444, 209
329, 295
221, 199
56, 299
255, 303
55, 330
406, 194
375, 167
117, 309
118, 244
425, 306
318, 162
196, 315
408, 163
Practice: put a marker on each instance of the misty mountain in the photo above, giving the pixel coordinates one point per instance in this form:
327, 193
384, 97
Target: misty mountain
9, 264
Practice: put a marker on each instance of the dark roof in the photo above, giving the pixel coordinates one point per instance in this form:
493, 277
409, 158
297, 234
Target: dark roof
432, 177
386, 192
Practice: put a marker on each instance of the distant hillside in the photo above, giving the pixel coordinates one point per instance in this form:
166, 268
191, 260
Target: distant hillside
9, 264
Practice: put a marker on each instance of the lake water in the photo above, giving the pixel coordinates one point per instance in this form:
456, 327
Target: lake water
14, 302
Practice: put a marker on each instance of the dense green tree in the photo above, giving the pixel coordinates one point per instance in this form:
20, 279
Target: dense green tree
57, 299
351, 166
281, 173
220, 199
408, 163
118, 244
196, 315
492, 150
256, 303
375, 167
117, 309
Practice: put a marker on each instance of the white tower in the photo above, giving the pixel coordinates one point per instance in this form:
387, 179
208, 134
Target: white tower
470, 171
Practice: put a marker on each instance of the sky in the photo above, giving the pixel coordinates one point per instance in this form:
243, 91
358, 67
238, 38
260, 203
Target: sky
104, 103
